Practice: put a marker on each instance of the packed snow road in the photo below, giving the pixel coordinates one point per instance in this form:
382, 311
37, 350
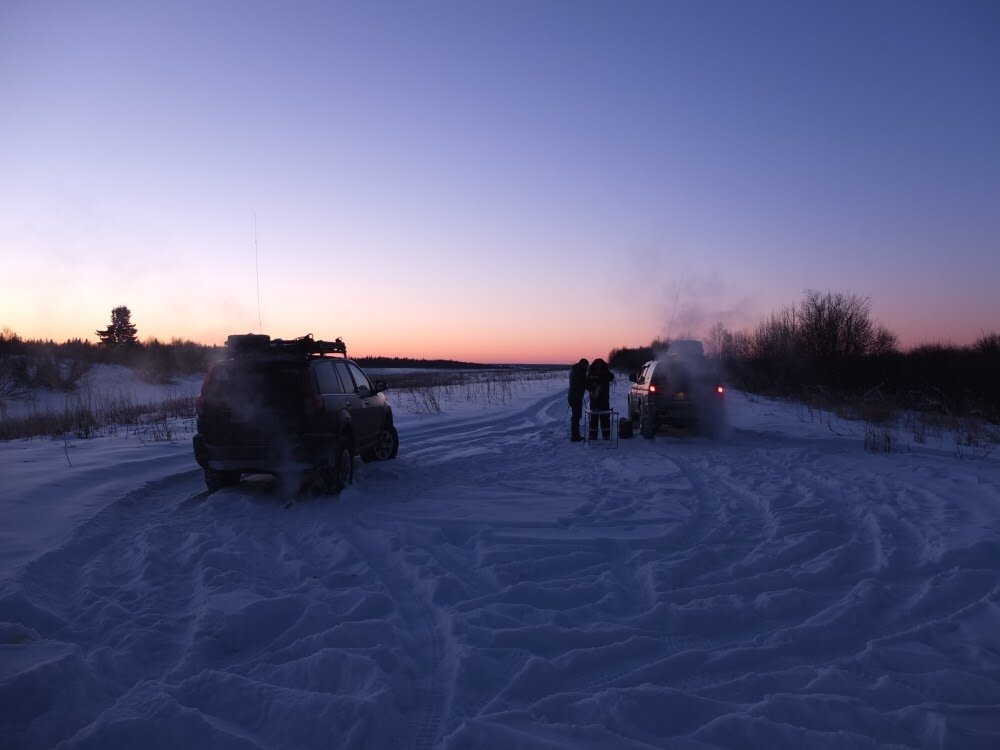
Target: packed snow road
497, 586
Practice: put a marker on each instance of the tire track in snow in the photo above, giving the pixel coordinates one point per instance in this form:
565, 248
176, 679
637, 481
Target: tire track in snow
515, 458
646, 641
415, 556
110, 588
69, 579
421, 629
776, 555
434, 434
926, 584
863, 589
730, 523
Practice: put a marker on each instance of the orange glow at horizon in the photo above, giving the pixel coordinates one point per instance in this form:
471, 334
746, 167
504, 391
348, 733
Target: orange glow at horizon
479, 345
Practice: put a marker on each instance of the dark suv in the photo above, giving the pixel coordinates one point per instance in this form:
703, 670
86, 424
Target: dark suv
680, 389
298, 409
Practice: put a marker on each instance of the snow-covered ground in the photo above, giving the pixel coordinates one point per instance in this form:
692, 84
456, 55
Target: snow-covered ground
497, 586
100, 384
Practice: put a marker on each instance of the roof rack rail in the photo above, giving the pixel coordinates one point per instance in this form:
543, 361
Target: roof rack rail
310, 347
250, 344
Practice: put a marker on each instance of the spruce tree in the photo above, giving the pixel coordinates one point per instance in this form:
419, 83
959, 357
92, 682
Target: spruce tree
121, 333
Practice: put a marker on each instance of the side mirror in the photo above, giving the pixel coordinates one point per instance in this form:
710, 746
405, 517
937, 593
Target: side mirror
633, 377
380, 386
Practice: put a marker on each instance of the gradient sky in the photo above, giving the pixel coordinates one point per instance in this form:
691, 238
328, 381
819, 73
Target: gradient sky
496, 181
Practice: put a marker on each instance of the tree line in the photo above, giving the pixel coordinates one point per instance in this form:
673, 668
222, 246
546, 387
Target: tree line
43, 363
829, 343
36, 363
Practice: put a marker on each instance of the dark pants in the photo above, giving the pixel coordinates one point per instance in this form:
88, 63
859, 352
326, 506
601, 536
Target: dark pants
576, 406
605, 422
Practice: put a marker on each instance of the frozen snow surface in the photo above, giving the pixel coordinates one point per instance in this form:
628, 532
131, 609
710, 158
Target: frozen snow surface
497, 586
100, 385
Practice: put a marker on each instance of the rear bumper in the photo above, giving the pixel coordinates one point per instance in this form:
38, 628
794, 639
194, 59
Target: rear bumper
682, 414
254, 458
685, 412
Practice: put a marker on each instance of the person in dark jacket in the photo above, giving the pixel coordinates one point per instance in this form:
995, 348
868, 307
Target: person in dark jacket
599, 379
577, 387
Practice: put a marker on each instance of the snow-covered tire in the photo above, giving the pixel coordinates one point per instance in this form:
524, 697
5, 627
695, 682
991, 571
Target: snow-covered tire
216, 480
386, 446
646, 426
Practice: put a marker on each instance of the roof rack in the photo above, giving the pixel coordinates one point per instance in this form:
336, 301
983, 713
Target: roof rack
310, 347
250, 344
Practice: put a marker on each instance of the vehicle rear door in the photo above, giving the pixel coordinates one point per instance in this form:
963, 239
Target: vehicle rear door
253, 402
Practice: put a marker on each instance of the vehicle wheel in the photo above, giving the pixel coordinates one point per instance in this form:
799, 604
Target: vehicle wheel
646, 427
386, 446
216, 480
338, 472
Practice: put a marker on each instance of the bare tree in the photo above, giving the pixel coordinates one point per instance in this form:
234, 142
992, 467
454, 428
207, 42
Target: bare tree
776, 337
716, 341
835, 325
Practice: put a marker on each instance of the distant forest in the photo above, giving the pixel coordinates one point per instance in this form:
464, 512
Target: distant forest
827, 347
36, 363
45, 363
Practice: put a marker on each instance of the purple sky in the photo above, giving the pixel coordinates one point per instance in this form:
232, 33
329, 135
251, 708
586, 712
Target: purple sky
506, 181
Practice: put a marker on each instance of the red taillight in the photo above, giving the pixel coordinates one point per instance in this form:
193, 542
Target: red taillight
199, 403
314, 403
652, 388
721, 390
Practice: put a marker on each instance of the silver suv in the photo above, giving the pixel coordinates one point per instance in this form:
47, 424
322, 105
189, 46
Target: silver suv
680, 389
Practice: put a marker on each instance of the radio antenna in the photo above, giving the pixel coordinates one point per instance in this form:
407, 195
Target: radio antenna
677, 297
256, 263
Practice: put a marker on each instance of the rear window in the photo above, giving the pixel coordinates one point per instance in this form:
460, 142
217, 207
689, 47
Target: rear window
686, 348
658, 374
672, 374
273, 384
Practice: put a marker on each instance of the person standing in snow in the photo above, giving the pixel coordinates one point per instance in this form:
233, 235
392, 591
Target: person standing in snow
577, 387
599, 379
